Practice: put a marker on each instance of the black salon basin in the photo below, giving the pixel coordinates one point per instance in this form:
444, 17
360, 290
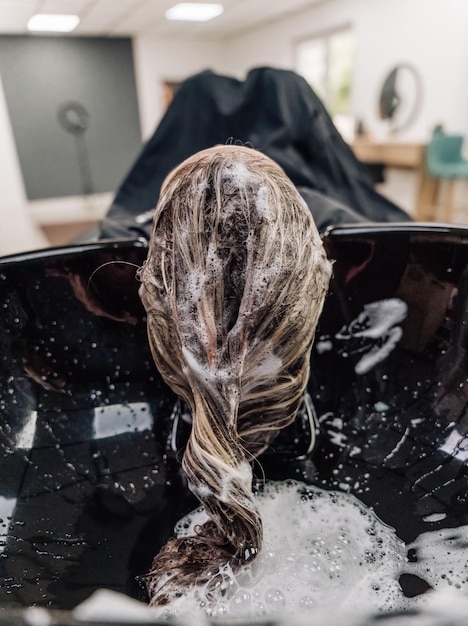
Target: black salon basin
90, 486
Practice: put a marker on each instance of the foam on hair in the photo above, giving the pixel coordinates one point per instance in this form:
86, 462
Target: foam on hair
233, 287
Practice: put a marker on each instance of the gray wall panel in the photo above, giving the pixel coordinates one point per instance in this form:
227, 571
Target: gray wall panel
41, 73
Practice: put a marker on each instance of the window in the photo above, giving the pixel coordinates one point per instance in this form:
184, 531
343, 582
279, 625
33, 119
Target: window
327, 64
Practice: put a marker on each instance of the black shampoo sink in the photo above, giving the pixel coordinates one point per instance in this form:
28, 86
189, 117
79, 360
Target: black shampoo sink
90, 436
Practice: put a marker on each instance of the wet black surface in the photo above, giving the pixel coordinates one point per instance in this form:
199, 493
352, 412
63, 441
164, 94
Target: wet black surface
396, 435
82, 457
89, 482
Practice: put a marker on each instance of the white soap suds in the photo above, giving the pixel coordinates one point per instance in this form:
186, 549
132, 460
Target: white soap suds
242, 475
379, 353
441, 558
320, 548
377, 324
263, 207
323, 345
196, 280
376, 319
239, 174
324, 553
325, 549
265, 368
201, 371
434, 517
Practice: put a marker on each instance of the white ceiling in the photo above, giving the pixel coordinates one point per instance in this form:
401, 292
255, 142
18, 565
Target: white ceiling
146, 17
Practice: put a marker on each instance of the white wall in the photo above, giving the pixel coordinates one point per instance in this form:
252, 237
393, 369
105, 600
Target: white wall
18, 232
432, 35
157, 60
12, 183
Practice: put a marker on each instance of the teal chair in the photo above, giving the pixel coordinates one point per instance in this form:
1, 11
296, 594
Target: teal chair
445, 161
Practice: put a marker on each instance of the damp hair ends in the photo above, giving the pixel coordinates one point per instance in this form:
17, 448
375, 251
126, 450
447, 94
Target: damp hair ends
233, 287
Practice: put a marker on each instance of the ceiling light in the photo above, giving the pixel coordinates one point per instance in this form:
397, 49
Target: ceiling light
53, 23
194, 11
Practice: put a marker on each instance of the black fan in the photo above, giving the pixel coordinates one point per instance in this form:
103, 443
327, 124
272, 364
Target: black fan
74, 118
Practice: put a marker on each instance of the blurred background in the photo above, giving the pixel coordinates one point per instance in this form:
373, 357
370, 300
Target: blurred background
81, 94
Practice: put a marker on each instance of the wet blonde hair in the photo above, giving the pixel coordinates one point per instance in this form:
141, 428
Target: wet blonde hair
233, 287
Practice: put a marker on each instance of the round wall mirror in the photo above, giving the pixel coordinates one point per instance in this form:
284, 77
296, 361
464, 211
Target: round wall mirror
400, 97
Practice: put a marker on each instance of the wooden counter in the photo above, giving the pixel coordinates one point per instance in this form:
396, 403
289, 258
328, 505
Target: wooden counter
407, 156
398, 155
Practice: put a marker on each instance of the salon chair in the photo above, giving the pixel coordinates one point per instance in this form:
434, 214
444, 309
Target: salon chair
445, 162
90, 486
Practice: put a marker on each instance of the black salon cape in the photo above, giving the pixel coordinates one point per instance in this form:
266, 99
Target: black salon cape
274, 111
